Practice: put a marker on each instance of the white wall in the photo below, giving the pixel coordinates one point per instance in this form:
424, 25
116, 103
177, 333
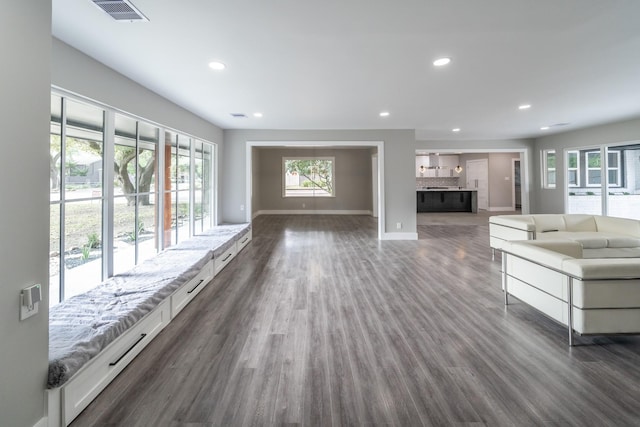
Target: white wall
74, 71
25, 43
399, 155
552, 200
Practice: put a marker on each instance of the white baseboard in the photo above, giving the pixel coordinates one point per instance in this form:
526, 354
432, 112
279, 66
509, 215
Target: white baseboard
399, 236
311, 212
501, 209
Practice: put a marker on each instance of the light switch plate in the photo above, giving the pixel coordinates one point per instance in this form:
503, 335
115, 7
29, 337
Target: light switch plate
25, 311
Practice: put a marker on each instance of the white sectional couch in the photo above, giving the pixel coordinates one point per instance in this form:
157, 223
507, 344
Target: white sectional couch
600, 236
581, 270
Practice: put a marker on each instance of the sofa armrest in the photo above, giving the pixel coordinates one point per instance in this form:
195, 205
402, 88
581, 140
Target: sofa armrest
519, 222
602, 268
548, 253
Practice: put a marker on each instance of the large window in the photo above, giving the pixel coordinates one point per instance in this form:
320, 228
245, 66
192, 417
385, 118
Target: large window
107, 171
549, 168
308, 177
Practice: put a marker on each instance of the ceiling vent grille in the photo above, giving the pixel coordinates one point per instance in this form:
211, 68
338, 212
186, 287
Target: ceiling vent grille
121, 10
239, 115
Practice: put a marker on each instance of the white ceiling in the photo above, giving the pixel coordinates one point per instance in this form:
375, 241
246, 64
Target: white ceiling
335, 64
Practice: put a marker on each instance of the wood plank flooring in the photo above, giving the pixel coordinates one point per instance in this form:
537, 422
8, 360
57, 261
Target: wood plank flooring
318, 323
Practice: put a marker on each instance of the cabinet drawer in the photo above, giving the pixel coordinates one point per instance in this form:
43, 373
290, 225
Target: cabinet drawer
102, 369
243, 241
224, 259
189, 290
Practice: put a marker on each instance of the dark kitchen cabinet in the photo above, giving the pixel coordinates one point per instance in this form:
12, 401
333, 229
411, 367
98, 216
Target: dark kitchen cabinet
444, 201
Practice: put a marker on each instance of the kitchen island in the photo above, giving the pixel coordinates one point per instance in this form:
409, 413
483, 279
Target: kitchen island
447, 199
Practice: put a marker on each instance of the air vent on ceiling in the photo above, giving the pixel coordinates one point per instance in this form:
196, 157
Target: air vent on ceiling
239, 115
121, 10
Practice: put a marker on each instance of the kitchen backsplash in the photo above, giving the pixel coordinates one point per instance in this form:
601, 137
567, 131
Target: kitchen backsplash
444, 181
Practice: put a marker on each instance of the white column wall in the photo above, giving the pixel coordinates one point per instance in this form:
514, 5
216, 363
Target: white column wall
25, 43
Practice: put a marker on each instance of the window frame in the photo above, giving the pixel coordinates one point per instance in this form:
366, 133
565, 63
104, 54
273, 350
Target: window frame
332, 159
617, 169
107, 194
546, 169
576, 169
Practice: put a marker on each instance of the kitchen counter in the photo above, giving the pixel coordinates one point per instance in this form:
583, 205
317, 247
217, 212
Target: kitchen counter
447, 199
446, 189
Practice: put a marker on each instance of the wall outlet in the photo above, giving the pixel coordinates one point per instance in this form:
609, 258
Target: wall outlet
399, 225
241, 207
304, 205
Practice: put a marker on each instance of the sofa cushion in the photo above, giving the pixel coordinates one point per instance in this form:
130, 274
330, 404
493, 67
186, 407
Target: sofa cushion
611, 253
623, 242
593, 242
571, 235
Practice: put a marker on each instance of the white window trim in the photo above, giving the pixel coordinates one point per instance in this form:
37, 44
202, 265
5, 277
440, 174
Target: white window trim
617, 168
587, 169
108, 195
546, 169
577, 168
284, 176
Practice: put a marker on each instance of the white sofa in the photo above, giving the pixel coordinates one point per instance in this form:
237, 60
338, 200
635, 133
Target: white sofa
600, 236
590, 263
552, 276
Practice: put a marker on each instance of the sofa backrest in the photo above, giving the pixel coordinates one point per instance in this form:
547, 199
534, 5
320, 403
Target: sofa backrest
623, 226
580, 222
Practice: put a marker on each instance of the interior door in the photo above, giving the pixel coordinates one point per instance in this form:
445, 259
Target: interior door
478, 178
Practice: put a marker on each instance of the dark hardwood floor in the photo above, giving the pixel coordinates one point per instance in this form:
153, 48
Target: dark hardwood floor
316, 322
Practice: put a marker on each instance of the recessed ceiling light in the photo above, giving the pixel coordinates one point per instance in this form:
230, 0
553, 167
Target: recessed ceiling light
218, 66
524, 107
544, 128
455, 130
257, 115
384, 114
441, 61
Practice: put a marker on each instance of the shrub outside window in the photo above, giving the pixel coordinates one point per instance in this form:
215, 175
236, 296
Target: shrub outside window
308, 177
